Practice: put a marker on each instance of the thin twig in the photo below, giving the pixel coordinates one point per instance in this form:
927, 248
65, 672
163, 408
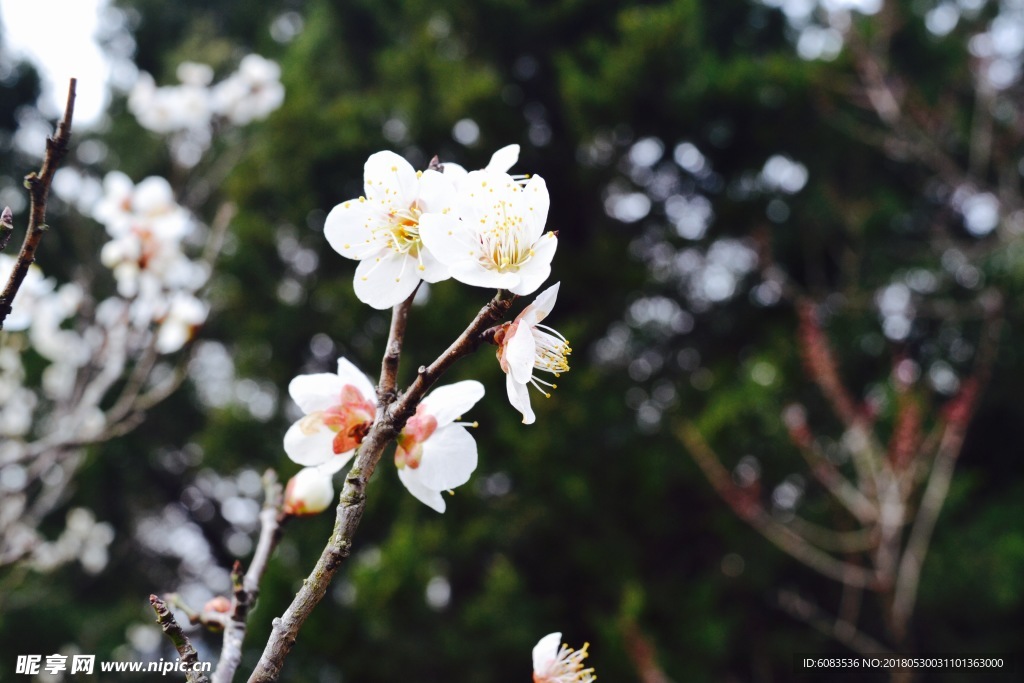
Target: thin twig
908, 574
391, 418
843, 631
393, 352
38, 184
247, 587
186, 652
750, 510
841, 488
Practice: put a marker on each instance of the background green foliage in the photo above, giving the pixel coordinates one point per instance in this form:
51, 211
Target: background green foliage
589, 522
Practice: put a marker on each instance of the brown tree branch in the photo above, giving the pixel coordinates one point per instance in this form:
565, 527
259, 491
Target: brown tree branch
186, 652
749, 509
38, 184
391, 417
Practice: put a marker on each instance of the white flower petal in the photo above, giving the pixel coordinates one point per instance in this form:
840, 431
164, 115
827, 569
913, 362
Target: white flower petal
520, 353
534, 272
313, 448
546, 651
519, 397
470, 272
316, 392
537, 201
348, 229
389, 180
455, 172
447, 238
449, 458
436, 192
540, 307
350, 374
429, 497
448, 403
432, 269
386, 280
504, 159
334, 465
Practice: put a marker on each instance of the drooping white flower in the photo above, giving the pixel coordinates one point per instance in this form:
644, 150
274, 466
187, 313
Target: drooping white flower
435, 453
556, 662
496, 239
340, 409
311, 490
382, 229
525, 345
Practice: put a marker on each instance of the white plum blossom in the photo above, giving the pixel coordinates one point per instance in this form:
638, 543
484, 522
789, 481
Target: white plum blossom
435, 453
170, 109
147, 227
556, 662
339, 411
251, 93
311, 490
496, 237
185, 313
525, 345
382, 229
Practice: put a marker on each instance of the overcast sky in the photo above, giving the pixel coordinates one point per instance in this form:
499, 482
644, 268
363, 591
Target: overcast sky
59, 36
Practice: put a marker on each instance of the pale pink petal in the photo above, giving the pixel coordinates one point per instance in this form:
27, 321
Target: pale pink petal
316, 392
429, 497
386, 280
388, 179
520, 353
313, 447
350, 374
449, 403
546, 651
348, 229
504, 159
535, 271
519, 397
449, 458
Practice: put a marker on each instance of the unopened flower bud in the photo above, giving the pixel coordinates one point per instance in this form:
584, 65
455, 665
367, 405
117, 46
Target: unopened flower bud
217, 604
308, 492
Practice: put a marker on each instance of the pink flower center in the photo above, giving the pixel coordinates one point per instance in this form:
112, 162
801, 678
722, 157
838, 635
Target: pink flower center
410, 442
350, 420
